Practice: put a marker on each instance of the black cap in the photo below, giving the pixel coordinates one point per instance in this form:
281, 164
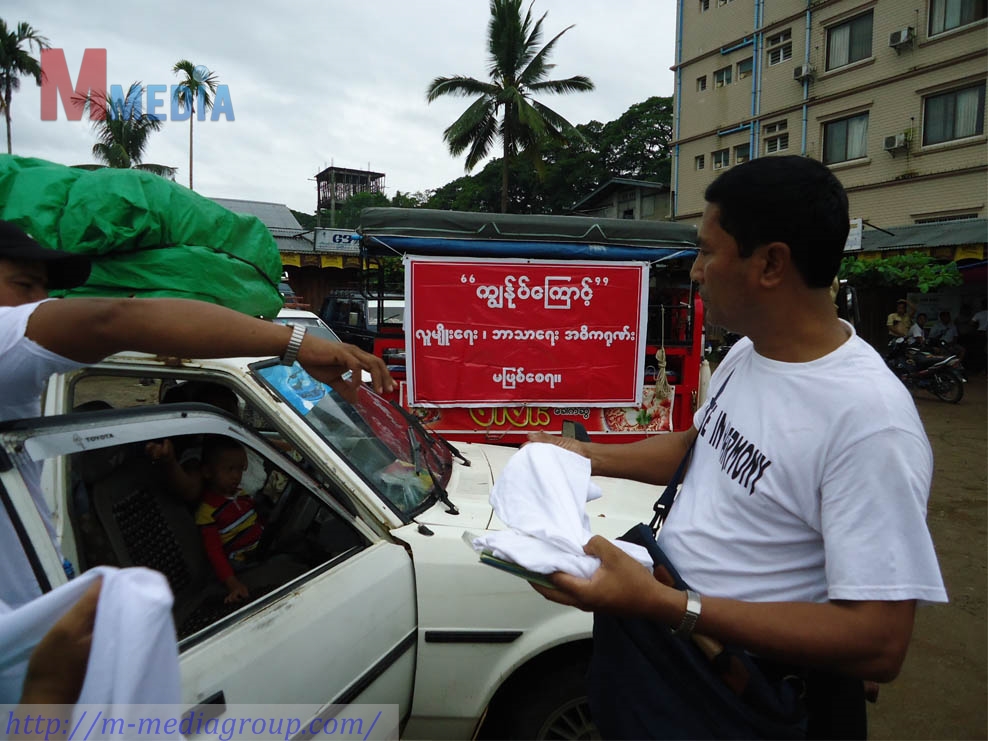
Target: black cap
65, 270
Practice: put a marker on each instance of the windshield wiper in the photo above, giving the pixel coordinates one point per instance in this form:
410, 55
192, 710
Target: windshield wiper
417, 459
428, 434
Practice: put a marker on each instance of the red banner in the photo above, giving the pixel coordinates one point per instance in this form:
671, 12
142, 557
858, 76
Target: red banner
509, 332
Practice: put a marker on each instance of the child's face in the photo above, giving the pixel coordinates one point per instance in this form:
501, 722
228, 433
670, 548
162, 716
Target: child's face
224, 472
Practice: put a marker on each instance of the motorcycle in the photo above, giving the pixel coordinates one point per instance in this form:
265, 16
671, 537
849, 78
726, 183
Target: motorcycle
941, 375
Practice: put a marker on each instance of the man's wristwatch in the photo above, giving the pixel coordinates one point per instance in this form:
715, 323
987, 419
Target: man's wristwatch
294, 343
692, 614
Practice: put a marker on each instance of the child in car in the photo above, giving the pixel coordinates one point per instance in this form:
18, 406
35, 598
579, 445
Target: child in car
230, 526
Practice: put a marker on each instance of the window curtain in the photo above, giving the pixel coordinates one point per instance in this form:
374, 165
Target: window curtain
857, 137
839, 46
967, 119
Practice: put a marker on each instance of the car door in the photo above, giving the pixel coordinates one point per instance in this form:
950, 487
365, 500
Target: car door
331, 617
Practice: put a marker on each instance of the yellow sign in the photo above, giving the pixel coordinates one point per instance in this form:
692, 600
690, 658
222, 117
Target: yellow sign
331, 261
291, 258
970, 252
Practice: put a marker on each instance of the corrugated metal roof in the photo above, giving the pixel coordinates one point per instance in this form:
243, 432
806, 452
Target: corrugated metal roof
273, 215
939, 234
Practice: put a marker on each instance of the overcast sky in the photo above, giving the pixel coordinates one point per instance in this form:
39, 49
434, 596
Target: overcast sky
320, 82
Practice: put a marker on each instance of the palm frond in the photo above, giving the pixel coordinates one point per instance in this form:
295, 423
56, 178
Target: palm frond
575, 84
471, 124
458, 86
538, 66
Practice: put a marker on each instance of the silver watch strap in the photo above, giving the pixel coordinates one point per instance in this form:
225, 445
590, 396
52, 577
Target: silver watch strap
294, 343
691, 616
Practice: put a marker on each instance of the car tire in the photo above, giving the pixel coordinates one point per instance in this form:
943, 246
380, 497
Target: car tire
550, 704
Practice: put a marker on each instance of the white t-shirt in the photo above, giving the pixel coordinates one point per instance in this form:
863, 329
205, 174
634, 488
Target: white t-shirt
133, 657
916, 331
25, 367
809, 482
981, 319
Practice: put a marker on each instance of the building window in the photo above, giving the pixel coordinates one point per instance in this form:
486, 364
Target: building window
648, 206
701, 83
779, 47
941, 219
946, 15
698, 162
744, 68
704, 6
724, 2
846, 139
722, 76
954, 115
775, 127
849, 41
721, 158
742, 153
779, 143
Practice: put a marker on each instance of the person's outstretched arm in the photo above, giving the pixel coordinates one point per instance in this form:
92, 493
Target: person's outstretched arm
89, 329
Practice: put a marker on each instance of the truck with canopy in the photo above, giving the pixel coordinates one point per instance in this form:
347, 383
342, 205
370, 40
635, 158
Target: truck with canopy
519, 323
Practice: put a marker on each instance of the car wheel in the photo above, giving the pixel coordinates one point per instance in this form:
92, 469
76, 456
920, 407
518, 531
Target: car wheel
549, 705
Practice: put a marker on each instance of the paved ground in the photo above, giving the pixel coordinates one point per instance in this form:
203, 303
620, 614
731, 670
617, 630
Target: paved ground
942, 691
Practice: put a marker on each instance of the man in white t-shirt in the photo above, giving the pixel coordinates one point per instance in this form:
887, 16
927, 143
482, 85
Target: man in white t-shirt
801, 520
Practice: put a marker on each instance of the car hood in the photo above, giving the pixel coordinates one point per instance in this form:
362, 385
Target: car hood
624, 503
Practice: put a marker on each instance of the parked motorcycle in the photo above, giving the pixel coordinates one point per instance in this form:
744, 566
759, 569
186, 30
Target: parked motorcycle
941, 375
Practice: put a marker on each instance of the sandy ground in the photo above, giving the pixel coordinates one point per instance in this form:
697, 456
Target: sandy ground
942, 692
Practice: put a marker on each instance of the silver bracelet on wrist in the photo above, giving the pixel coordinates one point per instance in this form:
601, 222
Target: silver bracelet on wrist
692, 614
294, 343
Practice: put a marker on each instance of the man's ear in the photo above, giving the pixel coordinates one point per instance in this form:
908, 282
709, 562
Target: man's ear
776, 261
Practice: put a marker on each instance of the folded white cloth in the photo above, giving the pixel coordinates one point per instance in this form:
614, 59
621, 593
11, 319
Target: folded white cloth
133, 658
541, 496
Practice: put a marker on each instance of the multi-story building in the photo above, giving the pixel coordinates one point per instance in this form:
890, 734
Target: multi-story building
889, 94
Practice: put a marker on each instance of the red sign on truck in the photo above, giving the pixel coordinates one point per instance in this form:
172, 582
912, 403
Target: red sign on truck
512, 332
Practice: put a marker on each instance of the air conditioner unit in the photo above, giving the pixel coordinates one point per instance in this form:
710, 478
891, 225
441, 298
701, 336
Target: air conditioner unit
895, 142
903, 37
803, 72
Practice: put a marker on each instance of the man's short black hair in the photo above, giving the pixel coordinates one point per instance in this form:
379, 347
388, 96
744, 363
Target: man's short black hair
790, 199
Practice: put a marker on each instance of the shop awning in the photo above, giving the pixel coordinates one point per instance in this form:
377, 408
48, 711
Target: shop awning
969, 232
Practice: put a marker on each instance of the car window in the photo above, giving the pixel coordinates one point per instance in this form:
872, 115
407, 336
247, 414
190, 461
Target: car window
124, 512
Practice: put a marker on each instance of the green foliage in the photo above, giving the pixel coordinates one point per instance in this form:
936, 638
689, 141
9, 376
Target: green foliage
636, 145
504, 108
348, 212
907, 271
307, 221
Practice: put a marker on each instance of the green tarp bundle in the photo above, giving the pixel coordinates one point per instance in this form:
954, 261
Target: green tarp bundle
146, 235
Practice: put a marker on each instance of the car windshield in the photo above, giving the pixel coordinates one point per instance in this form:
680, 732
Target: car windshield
392, 313
312, 324
408, 467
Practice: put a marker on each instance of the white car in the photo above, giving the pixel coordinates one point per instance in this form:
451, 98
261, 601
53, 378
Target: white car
307, 319
366, 591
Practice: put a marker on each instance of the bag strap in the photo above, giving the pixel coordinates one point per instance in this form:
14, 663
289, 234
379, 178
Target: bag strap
665, 501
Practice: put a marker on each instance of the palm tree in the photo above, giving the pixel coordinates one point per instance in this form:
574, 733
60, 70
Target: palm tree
518, 69
16, 61
123, 131
197, 83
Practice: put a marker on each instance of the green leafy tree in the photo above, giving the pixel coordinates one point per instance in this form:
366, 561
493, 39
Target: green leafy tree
197, 84
504, 107
123, 131
348, 212
307, 221
16, 62
908, 271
